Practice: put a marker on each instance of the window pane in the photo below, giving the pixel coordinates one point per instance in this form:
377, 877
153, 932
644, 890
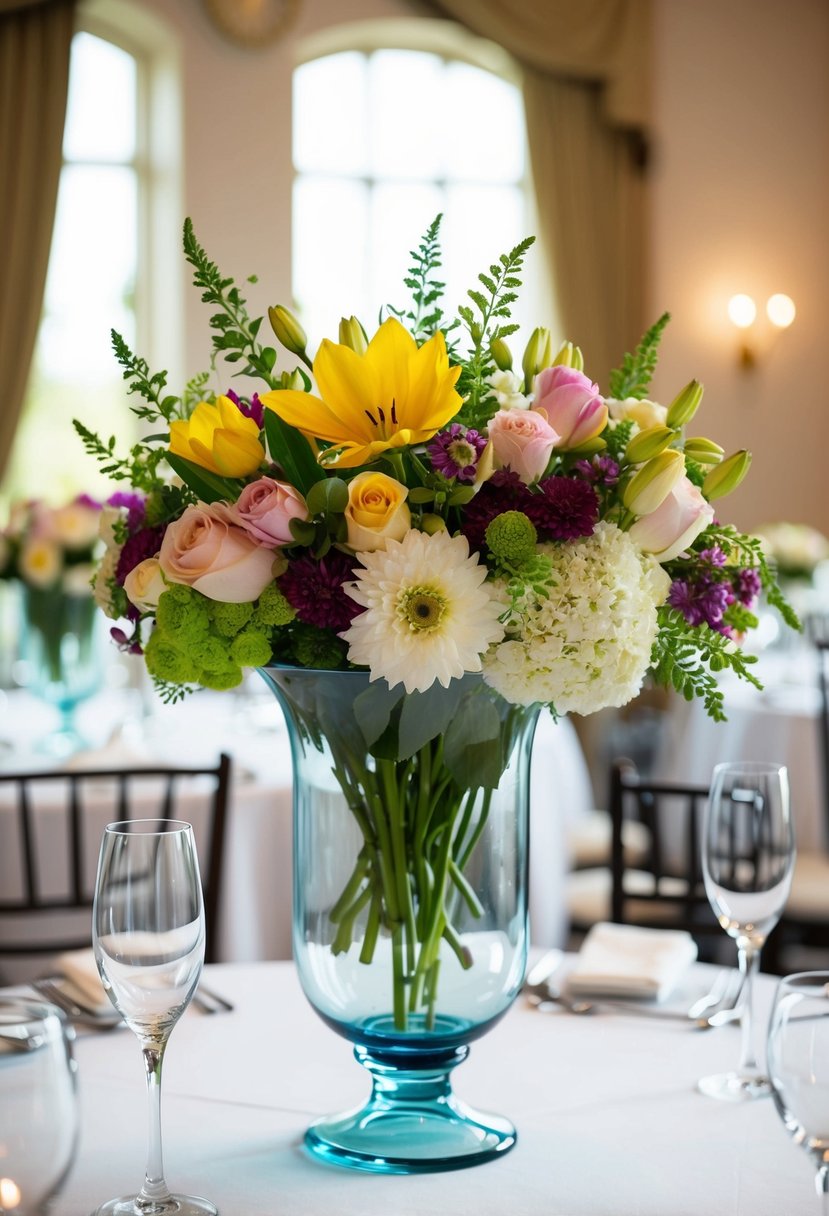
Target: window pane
481, 223
483, 119
407, 124
100, 116
330, 243
330, 122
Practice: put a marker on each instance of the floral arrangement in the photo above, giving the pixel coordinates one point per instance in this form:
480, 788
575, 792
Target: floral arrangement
793, 550
415, 504
51, 548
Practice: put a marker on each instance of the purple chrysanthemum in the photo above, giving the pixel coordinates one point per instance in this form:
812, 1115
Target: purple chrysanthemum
565, 509
701, 603
748, 586
602, 471
455, 452
134, 504
505, 491
713, 556
146, 542
252, 408
314, 589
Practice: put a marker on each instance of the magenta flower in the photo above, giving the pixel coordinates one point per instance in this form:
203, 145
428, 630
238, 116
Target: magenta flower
702, 602
314, 589
566, 509
455, 452
748, 586
572, 405
251, 408
602, 471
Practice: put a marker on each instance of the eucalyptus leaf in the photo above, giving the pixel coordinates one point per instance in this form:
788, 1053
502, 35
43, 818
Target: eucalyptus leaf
425, 715
472, 749
373, 707
328, 495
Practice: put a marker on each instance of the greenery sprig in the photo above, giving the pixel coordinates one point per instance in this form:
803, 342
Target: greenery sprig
425, 316
493, 308
633, 378
687, 658
149, 386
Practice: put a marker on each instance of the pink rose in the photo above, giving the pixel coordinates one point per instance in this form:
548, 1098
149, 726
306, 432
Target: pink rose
523, 441
265, 509
571, 404
209, 552
675, 524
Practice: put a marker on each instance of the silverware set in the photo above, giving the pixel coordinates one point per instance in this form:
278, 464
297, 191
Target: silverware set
91, 1017
545, 992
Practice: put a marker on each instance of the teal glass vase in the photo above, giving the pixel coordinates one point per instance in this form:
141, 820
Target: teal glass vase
62, 657
410, 899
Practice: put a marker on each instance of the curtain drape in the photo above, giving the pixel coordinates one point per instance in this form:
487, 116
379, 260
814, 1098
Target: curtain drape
35, 39
586, 68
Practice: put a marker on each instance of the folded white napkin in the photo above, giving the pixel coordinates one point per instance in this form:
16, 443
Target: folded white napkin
622, 960
81, 970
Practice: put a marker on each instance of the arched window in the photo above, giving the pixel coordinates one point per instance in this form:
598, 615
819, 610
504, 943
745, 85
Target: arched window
105, 259
384, 138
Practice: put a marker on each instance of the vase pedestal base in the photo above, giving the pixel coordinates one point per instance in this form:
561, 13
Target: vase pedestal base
413, 1122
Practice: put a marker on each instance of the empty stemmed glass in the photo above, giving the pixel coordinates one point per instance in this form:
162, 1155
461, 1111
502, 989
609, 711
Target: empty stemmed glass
798, 1062
747, 859
148, 935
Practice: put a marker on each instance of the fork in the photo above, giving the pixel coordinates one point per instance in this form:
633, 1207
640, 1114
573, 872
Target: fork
77, 1011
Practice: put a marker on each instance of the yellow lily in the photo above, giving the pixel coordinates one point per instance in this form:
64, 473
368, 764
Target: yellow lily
219, 438
393, 395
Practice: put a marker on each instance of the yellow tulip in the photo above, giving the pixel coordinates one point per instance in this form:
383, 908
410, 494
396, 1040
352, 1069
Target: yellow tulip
394, 395
219, 438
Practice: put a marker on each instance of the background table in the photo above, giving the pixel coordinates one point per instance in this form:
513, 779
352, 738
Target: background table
609, 1121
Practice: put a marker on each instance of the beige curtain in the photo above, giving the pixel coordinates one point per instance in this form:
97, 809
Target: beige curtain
34, 71
587, 100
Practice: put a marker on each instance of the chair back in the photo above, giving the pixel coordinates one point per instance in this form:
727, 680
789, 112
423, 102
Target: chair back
665, 884
50, 828
822, 651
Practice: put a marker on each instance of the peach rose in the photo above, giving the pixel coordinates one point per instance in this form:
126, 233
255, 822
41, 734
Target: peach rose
376, 512
265, 509
675, 524
207, 550
145, 584
523, 441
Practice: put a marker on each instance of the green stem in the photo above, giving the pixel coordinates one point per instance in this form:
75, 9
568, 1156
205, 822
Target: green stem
351, 887
345, 933
372, 926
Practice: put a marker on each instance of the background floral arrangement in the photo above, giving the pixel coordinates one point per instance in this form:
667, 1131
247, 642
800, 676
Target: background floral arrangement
794, 550
51, 548
418, 506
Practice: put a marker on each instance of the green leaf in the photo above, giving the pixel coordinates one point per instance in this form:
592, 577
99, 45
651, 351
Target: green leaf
330, 495
472, 748
425, 715
292, 452
373, 708
303, 531
208, 486
633, 378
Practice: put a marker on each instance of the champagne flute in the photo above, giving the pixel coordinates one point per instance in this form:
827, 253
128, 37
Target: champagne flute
148, 936
747, 860
798, 1059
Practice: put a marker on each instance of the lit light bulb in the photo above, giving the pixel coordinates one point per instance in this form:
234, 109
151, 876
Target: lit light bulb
741, 311
9, 1194
780, 310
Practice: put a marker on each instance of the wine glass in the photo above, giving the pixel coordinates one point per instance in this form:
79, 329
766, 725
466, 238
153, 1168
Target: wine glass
38, 1104
798, 1062
747, 860
148, 935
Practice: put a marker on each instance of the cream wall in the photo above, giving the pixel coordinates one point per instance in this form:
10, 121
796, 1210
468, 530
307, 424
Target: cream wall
740, 183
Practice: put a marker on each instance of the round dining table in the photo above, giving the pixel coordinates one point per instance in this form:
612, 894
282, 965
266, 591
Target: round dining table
609, 1119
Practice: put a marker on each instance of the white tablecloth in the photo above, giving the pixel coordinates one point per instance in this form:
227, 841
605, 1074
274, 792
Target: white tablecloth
255, 915
780, 724
609, 1121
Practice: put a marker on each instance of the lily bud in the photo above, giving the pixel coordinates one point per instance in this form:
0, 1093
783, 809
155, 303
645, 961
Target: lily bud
685, 404
703, 450
287, 329
649, 443
569, 356
430, 524
727, 476
589, 448
353, 335
501, 353
650, 486
292, 380
536, 355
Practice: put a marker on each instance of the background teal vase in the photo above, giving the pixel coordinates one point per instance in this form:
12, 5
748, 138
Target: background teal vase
410, 898
60, 647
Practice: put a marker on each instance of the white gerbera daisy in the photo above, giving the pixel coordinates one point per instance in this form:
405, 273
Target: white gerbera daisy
429, 614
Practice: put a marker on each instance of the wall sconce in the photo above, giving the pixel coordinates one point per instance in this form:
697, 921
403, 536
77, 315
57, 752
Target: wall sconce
742, 312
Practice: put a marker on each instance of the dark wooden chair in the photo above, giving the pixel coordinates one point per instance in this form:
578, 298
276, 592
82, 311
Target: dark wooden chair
50, 828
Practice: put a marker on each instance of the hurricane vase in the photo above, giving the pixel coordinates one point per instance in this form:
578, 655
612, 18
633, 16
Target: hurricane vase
410, 898
62, 656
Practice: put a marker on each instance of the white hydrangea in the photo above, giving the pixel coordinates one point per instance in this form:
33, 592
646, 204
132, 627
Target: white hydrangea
588, 646
105, 572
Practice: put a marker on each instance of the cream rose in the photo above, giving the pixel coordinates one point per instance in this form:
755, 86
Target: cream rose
145, 584
644, 413
675, 524
376, 512
76, 525
207, 550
